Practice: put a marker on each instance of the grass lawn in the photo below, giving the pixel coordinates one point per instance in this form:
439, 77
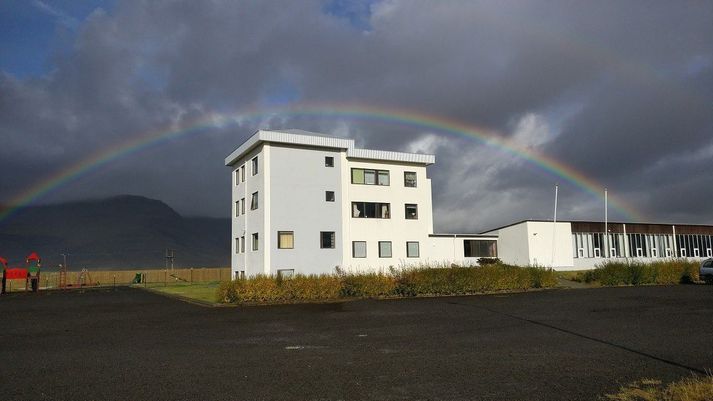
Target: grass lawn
198, 291
569, 274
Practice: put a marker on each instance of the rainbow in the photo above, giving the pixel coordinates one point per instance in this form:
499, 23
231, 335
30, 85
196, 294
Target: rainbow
357, 112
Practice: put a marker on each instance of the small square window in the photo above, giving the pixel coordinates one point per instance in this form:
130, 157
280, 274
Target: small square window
384, 249
255, 166
253, 201
359, 249
326, 239
285, 239
411, 211
255, 242
329, 196
285, 274
412, 249
328, 161
410, 179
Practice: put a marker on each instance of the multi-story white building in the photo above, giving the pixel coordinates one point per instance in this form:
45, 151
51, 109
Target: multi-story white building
307, 203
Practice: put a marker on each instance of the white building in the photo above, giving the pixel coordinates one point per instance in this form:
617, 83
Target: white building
307, 203
578, 245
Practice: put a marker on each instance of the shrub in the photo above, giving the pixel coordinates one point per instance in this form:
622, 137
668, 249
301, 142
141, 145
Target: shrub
368, 285
696, 388
405, 282
618, 272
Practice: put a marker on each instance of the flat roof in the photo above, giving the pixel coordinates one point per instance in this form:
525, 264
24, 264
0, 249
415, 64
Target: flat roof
307, 138
463, 235
594, 222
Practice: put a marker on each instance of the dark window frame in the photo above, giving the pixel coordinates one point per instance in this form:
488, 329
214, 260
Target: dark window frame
332, 239
354, 250
376, 172
367, 206
418, 249
279, 245
406, 207
327, 196
406, 180
391, 249
328, 161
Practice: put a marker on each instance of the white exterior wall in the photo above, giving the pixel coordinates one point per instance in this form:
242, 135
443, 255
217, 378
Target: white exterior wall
298, 182
450, 250
252, 262
530, 243
397, 228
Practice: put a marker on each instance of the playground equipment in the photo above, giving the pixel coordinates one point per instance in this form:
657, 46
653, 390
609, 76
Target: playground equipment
30, 273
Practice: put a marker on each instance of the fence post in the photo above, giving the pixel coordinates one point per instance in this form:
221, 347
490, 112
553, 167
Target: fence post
115, 281
165, 277
191, 276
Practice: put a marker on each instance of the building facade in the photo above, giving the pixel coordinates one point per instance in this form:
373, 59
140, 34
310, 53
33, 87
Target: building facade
581, 245
307, 203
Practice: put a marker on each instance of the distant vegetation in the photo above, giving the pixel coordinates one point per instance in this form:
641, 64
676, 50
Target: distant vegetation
673, 271
406, 282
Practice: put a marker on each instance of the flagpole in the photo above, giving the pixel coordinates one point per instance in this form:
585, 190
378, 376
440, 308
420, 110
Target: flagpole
606, 222
554, 227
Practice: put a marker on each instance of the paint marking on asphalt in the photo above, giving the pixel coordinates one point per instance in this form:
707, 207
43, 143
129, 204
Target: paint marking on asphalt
574, 333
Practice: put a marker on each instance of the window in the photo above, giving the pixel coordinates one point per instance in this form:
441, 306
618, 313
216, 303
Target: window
237, 208
237, 176
487, 249
384, 249
410, 179
359, 249
411, 211
370, 177
242, 206
242, 173
285, 274
371, 210
326, 239
242, 244
237, 245
329, 196
253, 201
254, 162
255, 242
412, 249
240, 275
285, 239
328, 161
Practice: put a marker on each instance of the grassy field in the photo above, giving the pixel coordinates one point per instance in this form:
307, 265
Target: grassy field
199, 291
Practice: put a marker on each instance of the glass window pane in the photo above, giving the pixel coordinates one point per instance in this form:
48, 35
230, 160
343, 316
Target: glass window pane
411, 211
369, 177
357, 176
383, 177
327, 239
285, 239
412, 249
410, 179
255, 242
370, 209
359, 249
384, 249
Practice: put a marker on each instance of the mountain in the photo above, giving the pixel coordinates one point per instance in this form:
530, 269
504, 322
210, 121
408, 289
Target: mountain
121, 232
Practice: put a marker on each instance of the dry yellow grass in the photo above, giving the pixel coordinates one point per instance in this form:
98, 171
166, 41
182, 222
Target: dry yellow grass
696, 388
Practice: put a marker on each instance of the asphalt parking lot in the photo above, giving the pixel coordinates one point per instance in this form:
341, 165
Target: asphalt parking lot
127, 344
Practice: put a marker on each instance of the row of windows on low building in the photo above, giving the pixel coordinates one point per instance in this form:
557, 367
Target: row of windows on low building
593, 245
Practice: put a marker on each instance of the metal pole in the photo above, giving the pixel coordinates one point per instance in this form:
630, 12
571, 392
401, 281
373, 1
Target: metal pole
606, 223
554, 227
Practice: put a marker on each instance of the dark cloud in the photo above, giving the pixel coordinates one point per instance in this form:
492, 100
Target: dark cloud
618, 91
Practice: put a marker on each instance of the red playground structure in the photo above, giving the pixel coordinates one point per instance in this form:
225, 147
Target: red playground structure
30, 273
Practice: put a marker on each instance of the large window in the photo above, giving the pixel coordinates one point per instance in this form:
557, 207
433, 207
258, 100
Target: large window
253, 201
285, 239
255, 165
411, 211
473, 248
328, 161
384, 249
410, 179
371, 210
359, 249
370, 177
412, 250
255, 242
326, 239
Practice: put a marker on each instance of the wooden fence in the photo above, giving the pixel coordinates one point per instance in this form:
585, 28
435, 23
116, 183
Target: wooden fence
50, 279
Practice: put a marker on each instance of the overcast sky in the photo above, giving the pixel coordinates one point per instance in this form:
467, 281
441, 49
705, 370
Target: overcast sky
621, 91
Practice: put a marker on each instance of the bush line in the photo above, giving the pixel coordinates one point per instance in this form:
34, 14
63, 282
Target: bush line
671, 271
408, 282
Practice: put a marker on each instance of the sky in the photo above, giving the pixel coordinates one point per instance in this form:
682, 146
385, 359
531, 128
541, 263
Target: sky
619, 91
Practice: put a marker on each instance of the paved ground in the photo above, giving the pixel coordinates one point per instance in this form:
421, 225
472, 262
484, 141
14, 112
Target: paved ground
551, 345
